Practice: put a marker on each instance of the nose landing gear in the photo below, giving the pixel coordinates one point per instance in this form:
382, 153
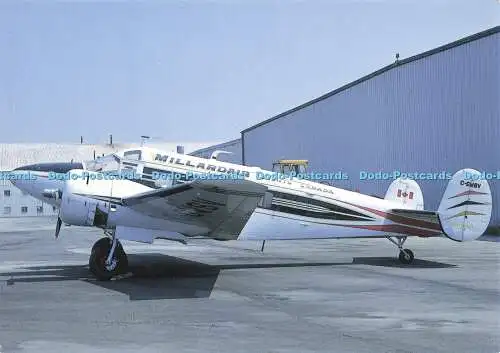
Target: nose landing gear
405, 255
107, 258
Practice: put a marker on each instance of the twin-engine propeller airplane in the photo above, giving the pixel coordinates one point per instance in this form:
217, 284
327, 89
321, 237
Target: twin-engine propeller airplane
177, 197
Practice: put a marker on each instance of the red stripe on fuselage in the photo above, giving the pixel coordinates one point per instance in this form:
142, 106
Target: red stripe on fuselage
396, 228
403, 220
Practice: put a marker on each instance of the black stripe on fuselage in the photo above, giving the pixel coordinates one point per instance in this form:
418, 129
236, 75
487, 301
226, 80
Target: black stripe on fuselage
330, 211
315, 214
61, 168
293, 217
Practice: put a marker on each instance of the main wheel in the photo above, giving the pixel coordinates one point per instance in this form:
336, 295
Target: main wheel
98, 256
406, 256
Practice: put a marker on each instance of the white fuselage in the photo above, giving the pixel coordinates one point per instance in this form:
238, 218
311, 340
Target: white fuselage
293, 208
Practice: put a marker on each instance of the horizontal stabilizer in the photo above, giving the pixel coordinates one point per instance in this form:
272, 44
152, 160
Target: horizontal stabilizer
427, 221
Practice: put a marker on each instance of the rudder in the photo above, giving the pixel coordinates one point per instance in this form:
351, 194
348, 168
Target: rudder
407, 193
465, 209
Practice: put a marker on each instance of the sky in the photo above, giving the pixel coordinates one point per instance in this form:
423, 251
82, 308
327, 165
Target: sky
199, 70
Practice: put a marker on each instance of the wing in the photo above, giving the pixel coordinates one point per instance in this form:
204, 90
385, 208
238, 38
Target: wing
222, 206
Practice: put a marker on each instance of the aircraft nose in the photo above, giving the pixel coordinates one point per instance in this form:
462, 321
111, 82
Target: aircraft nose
25, 177
21, 178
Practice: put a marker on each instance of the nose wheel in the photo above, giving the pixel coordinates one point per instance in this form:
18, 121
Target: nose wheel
406, 256
107, 259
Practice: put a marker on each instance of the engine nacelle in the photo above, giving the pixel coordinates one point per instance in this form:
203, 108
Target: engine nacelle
81, 210
77, 210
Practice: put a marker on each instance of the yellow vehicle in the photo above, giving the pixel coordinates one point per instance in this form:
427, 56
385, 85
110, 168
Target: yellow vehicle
287, 166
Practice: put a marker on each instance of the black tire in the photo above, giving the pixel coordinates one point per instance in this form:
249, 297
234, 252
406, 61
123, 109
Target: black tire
406, 257
98, 256
105, 244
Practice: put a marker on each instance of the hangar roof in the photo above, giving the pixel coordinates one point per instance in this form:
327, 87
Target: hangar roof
398, 63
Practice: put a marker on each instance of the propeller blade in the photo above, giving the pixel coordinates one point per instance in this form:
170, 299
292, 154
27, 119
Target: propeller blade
58, 226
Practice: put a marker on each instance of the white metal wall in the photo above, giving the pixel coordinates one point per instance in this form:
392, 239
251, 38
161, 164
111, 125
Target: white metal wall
16, 204
438, 113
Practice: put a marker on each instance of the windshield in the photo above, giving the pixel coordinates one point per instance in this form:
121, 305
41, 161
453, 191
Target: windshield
108, 163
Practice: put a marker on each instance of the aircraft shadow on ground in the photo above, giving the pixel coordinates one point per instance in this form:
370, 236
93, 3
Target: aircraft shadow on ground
392, 262
159, 276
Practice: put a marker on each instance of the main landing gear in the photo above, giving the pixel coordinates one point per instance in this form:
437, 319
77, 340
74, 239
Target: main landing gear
405, 255
107, 258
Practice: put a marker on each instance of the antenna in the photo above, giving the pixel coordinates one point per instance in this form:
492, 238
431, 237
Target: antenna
144, 138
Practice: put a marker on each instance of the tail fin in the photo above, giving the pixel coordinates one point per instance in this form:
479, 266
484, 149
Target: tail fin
407, 193
465, 209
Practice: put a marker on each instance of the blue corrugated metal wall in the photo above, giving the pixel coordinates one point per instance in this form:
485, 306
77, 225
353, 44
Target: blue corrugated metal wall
437, 113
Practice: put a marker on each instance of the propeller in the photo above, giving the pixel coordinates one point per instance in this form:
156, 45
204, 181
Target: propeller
57, 195
58, 225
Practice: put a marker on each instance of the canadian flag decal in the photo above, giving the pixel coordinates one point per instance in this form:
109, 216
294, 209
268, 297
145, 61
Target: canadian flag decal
405, 194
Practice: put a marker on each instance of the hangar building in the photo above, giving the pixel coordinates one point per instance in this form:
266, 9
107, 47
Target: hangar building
436, 112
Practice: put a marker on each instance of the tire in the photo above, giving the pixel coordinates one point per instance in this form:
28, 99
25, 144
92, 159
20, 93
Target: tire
406, 258
98, 256
105, 244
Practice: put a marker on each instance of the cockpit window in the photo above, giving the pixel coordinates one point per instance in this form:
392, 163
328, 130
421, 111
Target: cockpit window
109, 163
134, 155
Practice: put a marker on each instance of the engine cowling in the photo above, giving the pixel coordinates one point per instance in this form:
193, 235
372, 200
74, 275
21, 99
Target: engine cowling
77, 210
80, 210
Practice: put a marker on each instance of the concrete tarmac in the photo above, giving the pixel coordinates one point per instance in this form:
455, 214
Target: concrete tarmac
303, 296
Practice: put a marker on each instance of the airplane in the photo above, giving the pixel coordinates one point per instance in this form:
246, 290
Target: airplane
143, 194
